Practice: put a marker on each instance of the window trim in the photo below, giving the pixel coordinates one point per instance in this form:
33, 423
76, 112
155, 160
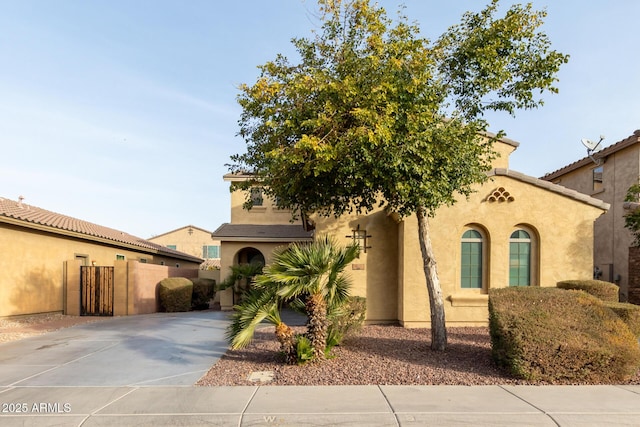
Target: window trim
484, 257
534, 251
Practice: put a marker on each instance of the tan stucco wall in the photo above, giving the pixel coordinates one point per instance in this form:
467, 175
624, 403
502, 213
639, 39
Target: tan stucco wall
612, 240
188, 242
265, 214
32, 265
563, 232
374, 274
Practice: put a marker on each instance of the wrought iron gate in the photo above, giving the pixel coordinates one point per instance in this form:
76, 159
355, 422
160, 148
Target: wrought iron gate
96, 291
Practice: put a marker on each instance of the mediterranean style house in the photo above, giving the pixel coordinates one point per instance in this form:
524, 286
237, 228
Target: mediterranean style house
194, 241
42, 253
607, 175
515, 230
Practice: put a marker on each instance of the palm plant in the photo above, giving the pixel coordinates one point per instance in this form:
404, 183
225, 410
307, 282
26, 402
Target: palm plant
309, 272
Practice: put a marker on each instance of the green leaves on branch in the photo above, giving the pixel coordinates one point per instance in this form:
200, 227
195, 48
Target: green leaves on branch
376, 115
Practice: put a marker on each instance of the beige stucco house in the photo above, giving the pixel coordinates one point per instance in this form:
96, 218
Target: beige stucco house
607, 175
41, 250
194, 241
515, 230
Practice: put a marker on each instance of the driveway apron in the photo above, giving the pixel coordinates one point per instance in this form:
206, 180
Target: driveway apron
158, 349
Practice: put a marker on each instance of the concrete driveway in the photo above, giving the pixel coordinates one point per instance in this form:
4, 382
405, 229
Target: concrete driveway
147, 350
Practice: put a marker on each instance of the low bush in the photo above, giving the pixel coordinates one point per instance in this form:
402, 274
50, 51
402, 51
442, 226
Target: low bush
346, 320
629, 313
203, 292
560, 337
606, 291
175, 294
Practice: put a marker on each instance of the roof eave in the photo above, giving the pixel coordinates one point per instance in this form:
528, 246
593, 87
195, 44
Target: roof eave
97, 239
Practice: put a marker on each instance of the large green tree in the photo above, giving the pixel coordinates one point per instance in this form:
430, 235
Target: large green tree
375, 115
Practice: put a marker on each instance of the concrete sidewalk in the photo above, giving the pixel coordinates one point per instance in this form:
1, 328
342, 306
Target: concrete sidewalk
321, 406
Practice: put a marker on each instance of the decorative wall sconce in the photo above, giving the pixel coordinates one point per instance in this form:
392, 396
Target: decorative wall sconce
360, 237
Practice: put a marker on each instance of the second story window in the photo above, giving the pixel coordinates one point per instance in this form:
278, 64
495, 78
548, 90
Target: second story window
256, 196
597, 179
210, 251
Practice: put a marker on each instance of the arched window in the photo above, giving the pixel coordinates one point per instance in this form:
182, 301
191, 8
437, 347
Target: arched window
471, 267
520, 258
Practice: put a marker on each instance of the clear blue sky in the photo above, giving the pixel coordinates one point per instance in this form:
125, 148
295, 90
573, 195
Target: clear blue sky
124, 113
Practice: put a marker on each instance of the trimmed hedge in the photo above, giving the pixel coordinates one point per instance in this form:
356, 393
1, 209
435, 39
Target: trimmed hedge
606, 291
203, 292
629, 313
560, 337
175, 294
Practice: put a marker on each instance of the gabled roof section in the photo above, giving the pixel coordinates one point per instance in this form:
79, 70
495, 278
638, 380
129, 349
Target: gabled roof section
559, 189
262, 233
21, 214
620, 145
182, 228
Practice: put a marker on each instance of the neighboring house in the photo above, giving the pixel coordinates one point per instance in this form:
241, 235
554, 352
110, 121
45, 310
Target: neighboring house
194, 241
37, 245
607, 175
515, 230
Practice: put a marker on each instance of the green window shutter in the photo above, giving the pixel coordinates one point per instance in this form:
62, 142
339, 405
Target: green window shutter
471, 260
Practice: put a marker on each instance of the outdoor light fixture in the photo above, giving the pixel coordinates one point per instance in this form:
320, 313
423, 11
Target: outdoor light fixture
190, 231
360, 237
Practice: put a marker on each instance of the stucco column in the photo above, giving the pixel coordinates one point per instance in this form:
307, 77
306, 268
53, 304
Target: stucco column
72, 287
226, 299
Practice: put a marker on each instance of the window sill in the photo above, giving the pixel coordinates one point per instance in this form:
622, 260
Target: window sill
259, 209
467, 300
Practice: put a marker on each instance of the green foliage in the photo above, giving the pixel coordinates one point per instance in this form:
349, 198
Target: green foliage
203, 292
632, 219
175, 294
375, 115
560, 337
239, 279
348, 318
297, 274
606, 291
304, 350
629, 313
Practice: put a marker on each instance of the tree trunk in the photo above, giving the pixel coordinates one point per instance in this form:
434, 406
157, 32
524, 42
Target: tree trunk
436, 303
317, 324
286, 338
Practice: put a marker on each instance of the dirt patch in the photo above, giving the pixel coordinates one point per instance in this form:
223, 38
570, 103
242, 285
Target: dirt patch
20, 327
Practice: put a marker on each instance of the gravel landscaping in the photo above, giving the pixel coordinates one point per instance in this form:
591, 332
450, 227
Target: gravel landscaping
380, 355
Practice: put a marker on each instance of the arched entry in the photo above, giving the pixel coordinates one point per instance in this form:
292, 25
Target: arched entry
246, 263
249, 256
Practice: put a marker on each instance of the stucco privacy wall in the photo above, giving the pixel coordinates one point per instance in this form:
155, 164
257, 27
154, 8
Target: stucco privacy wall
32, 265
134, 288
562, 232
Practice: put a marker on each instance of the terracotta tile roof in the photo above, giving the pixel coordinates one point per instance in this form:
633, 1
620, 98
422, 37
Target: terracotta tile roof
551, 187
620, 145
269, 233
20, 213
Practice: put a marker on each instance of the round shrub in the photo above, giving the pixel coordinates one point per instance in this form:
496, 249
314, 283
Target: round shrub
560, 337
175, 294
629, 313
203, 292
606, 291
